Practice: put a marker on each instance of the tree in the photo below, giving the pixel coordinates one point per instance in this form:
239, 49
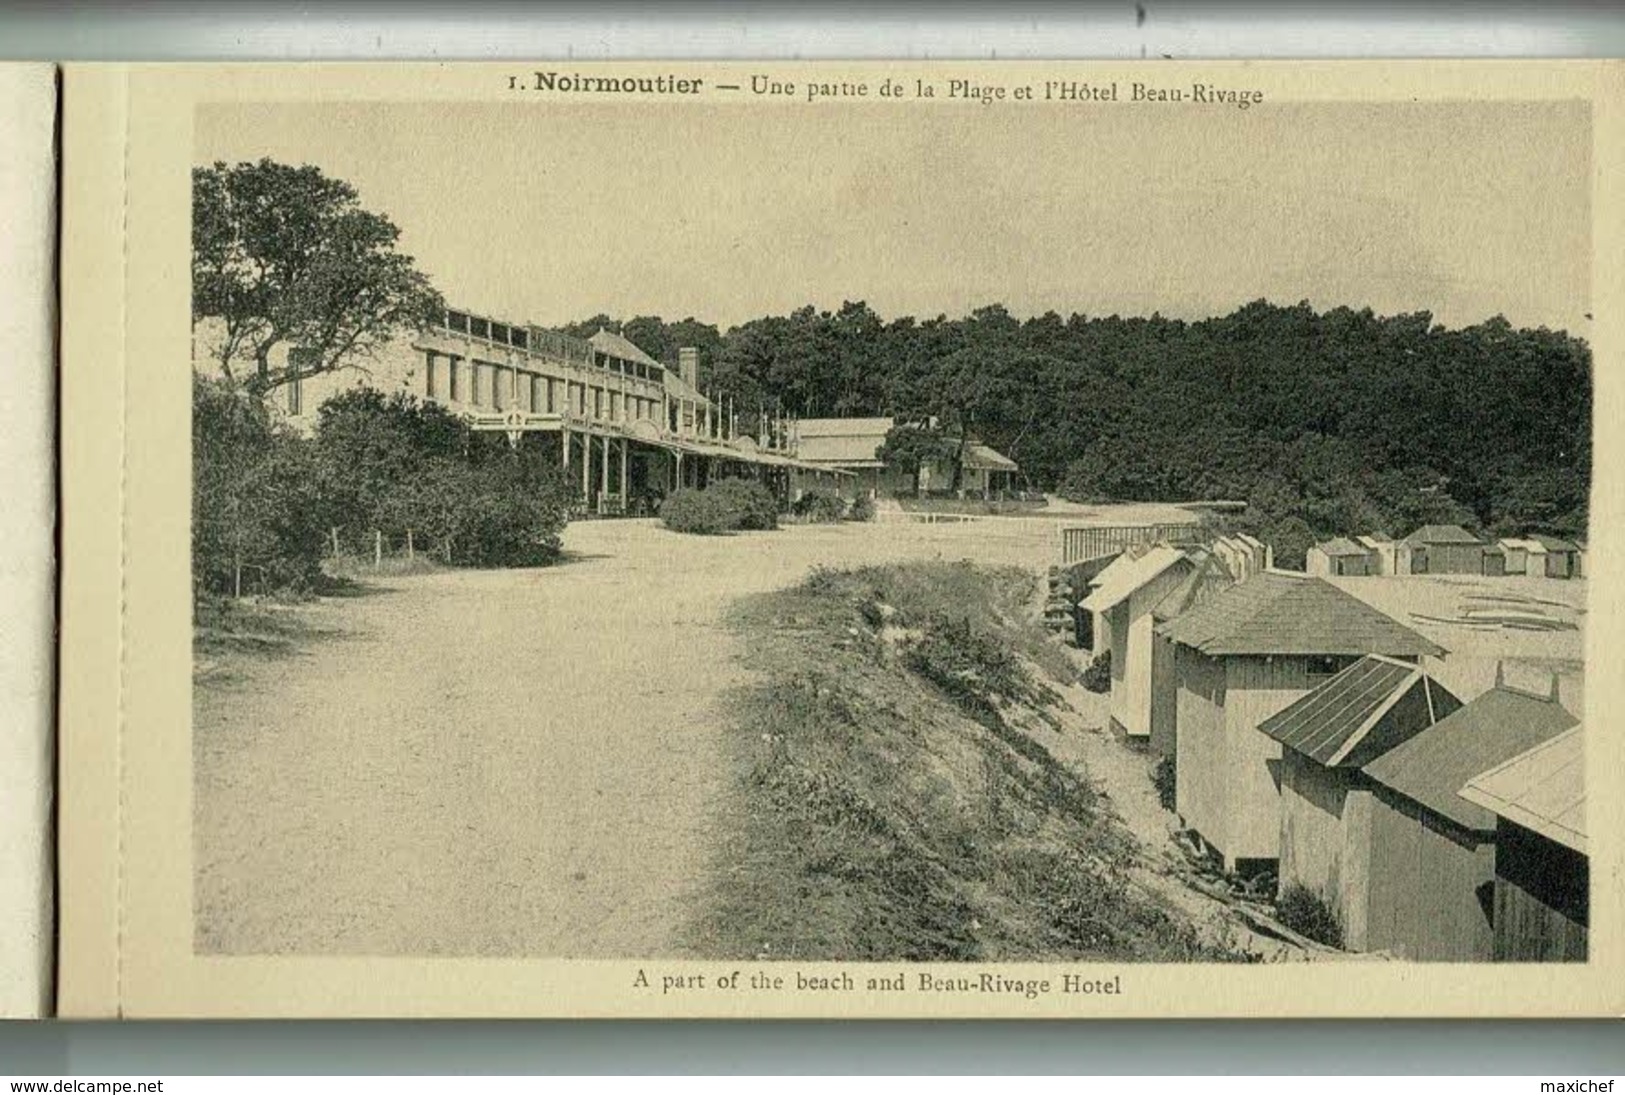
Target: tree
910, 446
284, 255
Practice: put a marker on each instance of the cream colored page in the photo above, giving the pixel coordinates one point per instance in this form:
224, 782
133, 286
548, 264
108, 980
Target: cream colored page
27, 526
273, 941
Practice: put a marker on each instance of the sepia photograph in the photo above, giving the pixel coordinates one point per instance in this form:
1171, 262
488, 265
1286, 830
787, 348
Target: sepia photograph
1143, 526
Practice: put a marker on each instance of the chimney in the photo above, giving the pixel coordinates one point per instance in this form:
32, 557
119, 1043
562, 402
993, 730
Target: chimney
688, 366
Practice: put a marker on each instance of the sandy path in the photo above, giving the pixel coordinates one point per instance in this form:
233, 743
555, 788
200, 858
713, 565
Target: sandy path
502, 762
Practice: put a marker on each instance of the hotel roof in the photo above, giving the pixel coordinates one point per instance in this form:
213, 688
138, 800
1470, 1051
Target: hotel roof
1281, 613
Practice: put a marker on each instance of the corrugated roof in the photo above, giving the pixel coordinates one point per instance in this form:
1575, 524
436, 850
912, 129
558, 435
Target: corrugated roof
1541, 789
608, 342
1330, 721
1442, 534
1432, 767
1127, 574
1279, 613
985, 458
1339, 545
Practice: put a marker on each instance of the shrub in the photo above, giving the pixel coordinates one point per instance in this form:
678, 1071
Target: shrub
697, 511
257, 513
1165, 778
1307, 913
820, 505
1098, 677
727, 505
754, 504
862, 509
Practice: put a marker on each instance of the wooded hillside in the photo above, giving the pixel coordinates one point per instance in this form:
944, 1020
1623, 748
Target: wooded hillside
1328, 423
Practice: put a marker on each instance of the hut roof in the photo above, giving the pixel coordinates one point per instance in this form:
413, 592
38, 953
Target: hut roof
1432, 767
1129, 573
986, 458
1207, 577
1552, 543
1541, 789
1339, 545
1280, 613
1330, 723
1442, 534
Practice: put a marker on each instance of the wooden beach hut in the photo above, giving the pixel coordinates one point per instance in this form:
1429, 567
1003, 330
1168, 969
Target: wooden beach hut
1542, 868
1431, 863
1442, 549
1248, 652
1122, 604
1340, 557
1326, 801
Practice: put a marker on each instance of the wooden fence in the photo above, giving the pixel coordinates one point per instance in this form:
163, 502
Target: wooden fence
1080, 544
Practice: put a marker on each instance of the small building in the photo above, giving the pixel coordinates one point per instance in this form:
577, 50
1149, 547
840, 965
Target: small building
1340, 558
853, 445
1245, 654
1516, 551
1122, 604
1542, 868
1560, 558
1326, 800
1243, 555
1209, 577
1382, 551
1432, 853
1441, 549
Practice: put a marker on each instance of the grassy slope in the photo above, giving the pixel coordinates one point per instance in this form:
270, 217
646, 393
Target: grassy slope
887, 805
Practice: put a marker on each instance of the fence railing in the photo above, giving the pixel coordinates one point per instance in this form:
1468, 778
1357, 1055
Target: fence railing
1080, 544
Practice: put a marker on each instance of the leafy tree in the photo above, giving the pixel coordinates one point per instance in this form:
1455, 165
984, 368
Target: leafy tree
909, 447
285, 255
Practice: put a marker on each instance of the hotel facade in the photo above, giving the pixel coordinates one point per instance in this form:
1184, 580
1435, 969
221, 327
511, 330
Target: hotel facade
632, 428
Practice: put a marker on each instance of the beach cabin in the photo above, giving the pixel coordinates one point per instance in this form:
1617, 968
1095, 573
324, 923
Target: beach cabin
1382, 551
1542, 869
1209, 577
1441, 549
1560, 558
1431, 867
1245, 654
1121, 603
1340, 558
1243, 556
1516, 551
1326, 801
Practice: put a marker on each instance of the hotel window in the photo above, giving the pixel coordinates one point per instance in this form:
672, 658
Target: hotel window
499, 332
498, 386
598, 402
615, 406
479, 328
454, 378
457, 321
581, 400
429, 378
519, 338
476, 383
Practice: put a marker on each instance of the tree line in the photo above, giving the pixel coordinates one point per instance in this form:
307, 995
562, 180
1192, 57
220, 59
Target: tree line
1336, 422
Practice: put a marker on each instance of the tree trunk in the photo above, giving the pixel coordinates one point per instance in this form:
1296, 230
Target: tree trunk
377, 549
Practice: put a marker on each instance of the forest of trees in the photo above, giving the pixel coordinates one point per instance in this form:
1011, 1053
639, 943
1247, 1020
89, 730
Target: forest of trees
1327, 423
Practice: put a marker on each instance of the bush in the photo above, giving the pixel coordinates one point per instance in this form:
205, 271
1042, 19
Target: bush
862, 509
754, 504
1165, 778
1307, 913
697, 511
258, 518
1098, 677
728, 505
820, 505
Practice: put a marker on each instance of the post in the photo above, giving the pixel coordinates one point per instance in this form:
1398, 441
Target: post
564, 447
586, 466
625, 444
335, 531
603, 476
377, 549
410, 552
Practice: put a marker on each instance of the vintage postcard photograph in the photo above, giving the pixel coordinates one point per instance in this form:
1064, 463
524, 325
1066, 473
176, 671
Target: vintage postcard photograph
888, 540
